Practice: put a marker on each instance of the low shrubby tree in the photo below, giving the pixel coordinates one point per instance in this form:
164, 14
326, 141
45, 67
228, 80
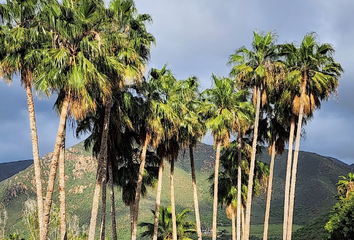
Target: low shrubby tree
184, 228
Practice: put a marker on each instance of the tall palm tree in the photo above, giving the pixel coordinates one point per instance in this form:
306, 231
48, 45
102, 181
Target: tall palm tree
175, 102
319, 75
17, 39
243, 120
128, 52
121, 144
192, 129
151, 129
256, 69
219, 112
69, 67
276, 138
163, 83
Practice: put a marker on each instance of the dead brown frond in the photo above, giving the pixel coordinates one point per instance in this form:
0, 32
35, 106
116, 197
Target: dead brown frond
226, 140
309, 104
254, 96
264, 98
229, 210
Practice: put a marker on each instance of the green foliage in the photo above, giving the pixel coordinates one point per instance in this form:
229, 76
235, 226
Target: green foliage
341, 222
314, 230
14, 236
184, 228
227, 190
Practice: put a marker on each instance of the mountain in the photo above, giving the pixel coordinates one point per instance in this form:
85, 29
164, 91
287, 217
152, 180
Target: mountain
11, 168
315, 190
317, 177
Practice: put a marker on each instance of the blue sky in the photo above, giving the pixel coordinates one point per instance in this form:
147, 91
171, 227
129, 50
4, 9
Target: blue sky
196, 38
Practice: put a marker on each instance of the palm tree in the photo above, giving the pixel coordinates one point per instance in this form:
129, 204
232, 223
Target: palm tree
72, 60
17, 39
276, 135
151, 129
122, 139
175, 98
345, 185
185, 228
163, 84
219, 110
256, 69
243, 120
228, 179
192, 129
318, 74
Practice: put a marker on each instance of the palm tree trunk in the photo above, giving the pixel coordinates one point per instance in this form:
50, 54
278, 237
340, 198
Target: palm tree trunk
131, 209
101, 172
158, 200
239, 185
35, 152
195, 193
54, 166
103, 210
173, 206
138, 188
288, 175
233, 223
252, 165
243, 222
216, 179
62, 200
113, 208
295, 160
269, 193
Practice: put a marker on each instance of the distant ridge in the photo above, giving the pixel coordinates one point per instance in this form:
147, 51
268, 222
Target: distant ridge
9, 169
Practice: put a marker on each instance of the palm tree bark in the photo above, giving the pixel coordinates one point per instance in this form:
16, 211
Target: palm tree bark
101, 171
243, 222
138, 187
158, 200
216, 179
252, 165
113, 208
195, 193
54, 166
173, 206
62, 200
103, 210
233, 223
295, 160
269, 192
131, 210
239, 185
288, 175
35, 152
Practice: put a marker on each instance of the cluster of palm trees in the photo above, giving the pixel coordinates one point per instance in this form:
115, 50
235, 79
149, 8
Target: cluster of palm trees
93, 58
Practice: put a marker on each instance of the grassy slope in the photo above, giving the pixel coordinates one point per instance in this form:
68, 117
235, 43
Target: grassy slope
315, 188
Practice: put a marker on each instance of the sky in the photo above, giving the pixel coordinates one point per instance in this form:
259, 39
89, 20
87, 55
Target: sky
196, 38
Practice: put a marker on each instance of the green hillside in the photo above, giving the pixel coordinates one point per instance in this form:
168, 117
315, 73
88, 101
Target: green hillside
317, 177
